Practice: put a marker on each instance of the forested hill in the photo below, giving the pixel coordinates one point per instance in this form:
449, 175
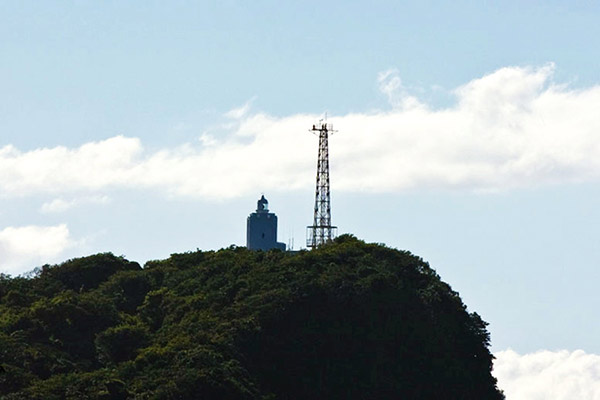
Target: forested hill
347, 321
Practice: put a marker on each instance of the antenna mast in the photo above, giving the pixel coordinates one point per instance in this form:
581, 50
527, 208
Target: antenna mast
321, 230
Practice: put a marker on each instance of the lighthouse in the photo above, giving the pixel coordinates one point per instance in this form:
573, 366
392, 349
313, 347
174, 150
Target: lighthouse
261, 228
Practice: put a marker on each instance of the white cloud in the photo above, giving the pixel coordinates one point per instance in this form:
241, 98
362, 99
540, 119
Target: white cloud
547, 375
59, 205
23, 248
389, 82
207, 140
93, 166
391, 86
239, 112
511, 128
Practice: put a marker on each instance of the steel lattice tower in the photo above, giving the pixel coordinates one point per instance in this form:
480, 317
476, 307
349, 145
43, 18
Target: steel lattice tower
321, 230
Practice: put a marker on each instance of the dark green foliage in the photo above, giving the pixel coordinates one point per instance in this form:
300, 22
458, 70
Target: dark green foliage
127, 289
88, 272
119, 343
349, 320
71, 321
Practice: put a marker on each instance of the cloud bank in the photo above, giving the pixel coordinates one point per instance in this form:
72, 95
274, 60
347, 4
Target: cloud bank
512, 128
28, 246
61, 205
547, 375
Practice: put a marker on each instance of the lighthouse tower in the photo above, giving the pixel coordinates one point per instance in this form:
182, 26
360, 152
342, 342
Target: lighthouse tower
261, 228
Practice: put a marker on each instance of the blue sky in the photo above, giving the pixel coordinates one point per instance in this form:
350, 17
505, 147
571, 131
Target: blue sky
469, 134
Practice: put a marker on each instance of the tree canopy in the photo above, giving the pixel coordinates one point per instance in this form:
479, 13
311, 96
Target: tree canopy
349, 320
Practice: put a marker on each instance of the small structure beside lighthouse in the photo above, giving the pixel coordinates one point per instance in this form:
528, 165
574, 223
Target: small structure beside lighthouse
261, 228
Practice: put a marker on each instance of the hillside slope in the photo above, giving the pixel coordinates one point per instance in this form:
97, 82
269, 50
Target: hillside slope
347, 321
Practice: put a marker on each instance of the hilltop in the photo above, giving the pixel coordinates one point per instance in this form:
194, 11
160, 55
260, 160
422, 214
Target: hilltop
349, 320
